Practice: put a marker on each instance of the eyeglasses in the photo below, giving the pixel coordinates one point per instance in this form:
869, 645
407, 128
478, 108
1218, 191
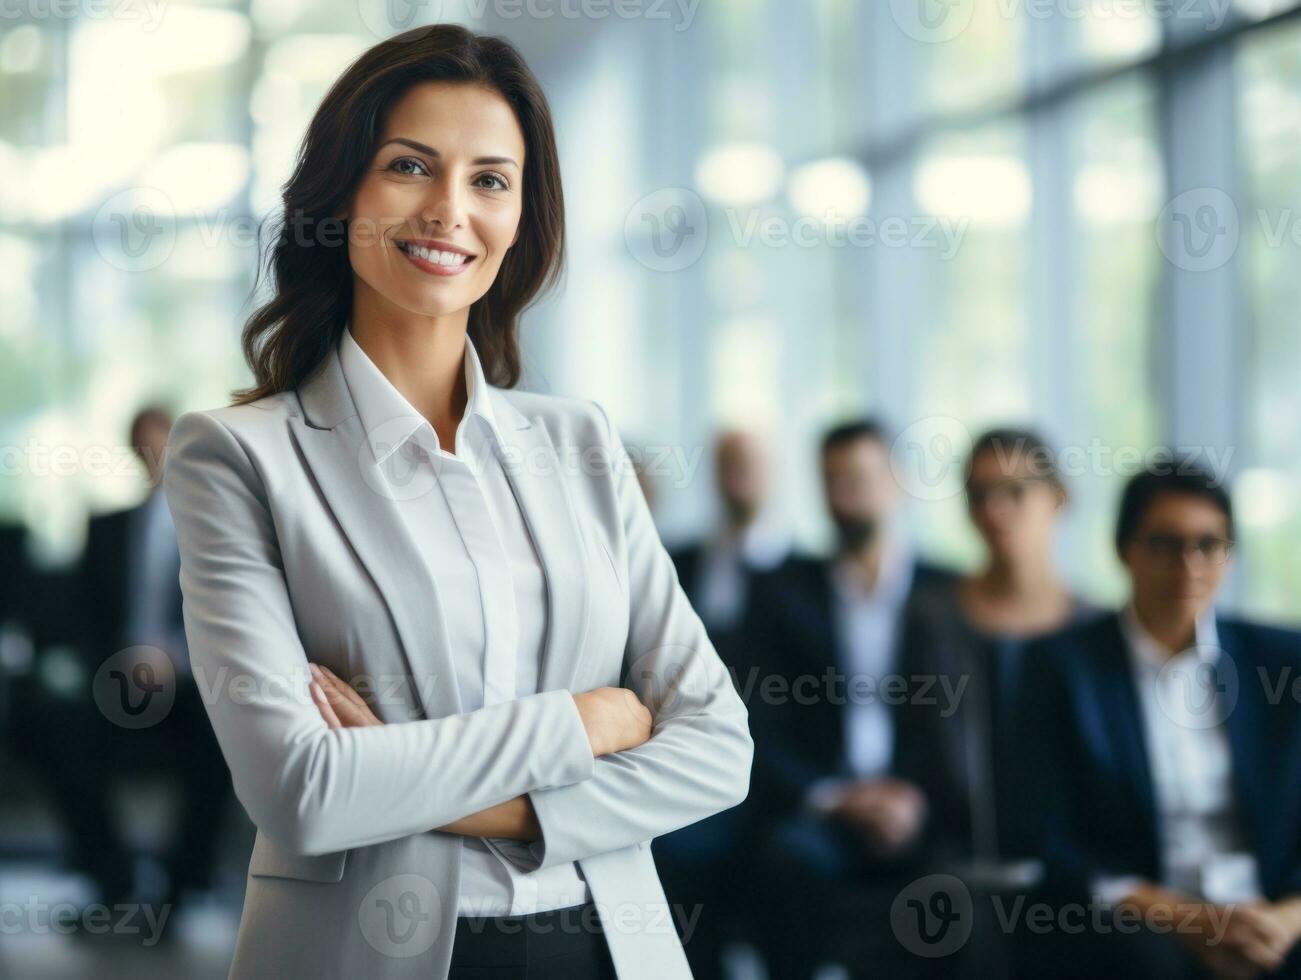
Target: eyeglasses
1172, 548
1012, 491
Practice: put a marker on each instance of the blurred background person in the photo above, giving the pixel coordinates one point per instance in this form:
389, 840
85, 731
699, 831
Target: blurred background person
976, 627
716, 570
972, 633
129, 605
841, 825
1161, 760
702, 866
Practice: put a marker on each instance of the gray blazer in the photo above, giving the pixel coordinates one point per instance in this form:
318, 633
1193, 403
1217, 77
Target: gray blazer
288, 554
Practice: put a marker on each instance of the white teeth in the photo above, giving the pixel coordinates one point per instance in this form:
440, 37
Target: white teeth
439, 258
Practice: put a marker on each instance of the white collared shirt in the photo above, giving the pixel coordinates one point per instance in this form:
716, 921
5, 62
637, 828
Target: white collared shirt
868, 633
867, 630
491, 588
1203, 848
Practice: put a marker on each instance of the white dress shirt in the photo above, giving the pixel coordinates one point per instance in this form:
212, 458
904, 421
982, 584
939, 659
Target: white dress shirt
867, 627
1203, 847
491, 588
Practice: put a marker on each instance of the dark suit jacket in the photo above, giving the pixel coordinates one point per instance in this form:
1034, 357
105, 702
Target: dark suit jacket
102, 583
957, 734
791, 627
1087, 779
730, 643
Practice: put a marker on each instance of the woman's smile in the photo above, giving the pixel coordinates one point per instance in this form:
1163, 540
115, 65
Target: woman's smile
435, 258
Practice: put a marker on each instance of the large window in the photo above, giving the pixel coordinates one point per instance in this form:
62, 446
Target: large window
1048, 144
1269, 487
955, 215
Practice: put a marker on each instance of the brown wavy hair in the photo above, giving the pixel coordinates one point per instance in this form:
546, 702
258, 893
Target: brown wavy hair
288, 338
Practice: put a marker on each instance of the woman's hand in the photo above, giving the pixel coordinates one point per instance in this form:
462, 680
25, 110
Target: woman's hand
614, 718
338, 703
342, 707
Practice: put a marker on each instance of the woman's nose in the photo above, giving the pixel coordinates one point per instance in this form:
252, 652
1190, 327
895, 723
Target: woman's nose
445, 203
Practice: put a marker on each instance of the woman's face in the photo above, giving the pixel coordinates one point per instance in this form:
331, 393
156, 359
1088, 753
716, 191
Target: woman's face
447, 177
1011, 506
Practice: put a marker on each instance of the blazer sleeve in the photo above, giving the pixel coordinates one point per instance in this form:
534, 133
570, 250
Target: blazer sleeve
697, 760
784, 778
311, 789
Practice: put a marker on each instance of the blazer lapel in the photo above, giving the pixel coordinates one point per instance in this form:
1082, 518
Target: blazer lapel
829, 648
1120, 711
1244, 728
534, 471
332, 442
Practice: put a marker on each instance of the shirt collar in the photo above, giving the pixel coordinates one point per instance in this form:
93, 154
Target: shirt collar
388, 419
892, 584
1149, 653
757, 546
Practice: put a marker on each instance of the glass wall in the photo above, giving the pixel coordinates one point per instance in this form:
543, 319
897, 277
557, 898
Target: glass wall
1030, 159
953, 222
1270, 484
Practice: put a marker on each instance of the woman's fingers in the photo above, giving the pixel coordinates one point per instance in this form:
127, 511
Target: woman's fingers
346, 689
351, 711
340, 709
322, 703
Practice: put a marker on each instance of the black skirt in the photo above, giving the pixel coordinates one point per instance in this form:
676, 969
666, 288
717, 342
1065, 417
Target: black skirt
561, 944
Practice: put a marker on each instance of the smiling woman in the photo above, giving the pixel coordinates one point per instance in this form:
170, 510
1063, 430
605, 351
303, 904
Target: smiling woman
381, 514
422, 145
469, 192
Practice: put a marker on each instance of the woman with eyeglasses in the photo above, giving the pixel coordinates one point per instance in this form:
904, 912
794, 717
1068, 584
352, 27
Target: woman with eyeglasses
972, 633
1161, 749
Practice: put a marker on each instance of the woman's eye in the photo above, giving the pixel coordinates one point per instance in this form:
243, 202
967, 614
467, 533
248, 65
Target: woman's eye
398, 165
500, 181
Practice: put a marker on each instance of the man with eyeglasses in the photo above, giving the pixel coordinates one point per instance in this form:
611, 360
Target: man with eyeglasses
1162, 761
